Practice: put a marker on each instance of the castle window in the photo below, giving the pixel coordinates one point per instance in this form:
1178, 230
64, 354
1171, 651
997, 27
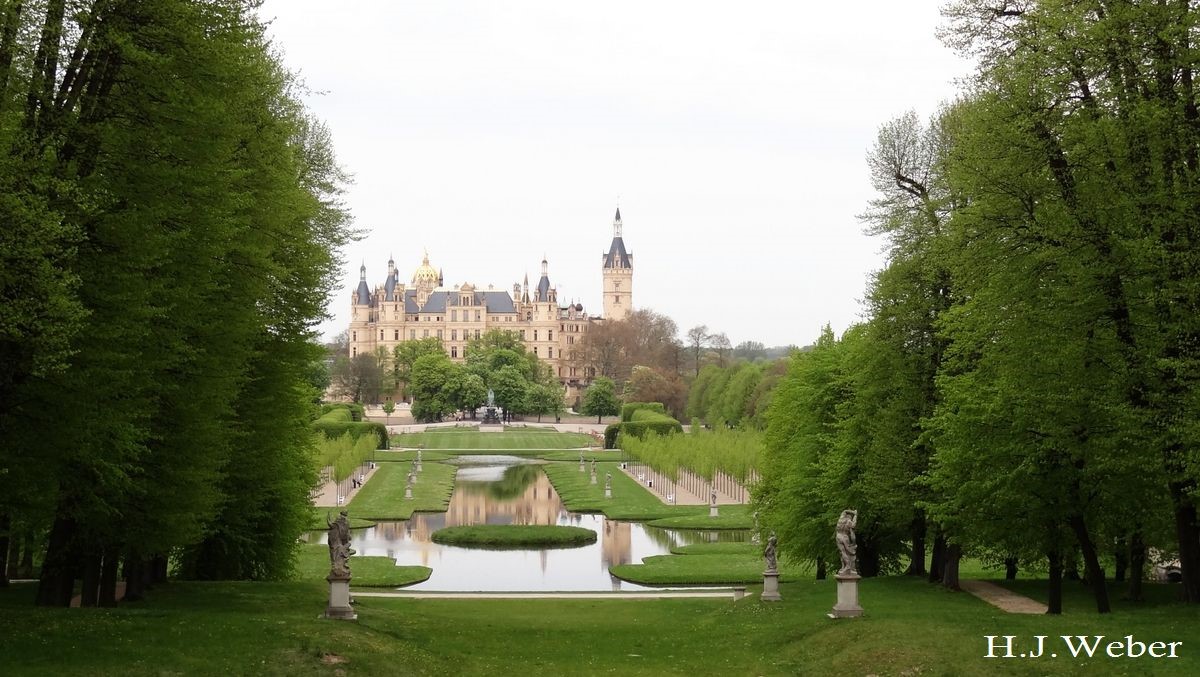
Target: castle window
439, 319
453, 351
454, 316
439, 334
380, 334
534, 334
425, 334
550, 352
616, 299
478, 315
354, 352
354, 336
476, 333
412, 334
453, 334
397, 336
535, 351
549, 334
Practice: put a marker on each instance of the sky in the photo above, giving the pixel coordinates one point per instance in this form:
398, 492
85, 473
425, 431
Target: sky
733, 137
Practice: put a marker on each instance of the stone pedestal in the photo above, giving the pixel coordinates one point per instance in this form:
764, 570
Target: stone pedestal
847, 597
712, 511
339, 599
770, 591
581, 468
408, 492
608, 492
593, 478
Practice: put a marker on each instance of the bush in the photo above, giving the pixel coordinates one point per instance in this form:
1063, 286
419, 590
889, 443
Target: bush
610, 435
628, 410
349, 411
337, 428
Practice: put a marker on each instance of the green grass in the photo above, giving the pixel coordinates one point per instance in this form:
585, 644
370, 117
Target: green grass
728, 517
321, 516
312, 564
382, 497
222, 628
411, 455
630, 500
470, 440
514, 536
589, 455
706, 569
730, 548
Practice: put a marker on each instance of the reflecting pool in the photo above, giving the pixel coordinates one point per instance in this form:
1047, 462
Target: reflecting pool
513, 490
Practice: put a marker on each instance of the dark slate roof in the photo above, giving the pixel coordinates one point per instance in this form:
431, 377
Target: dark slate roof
364, 293
543, 289
436, 303
389, 288
616, 257
618, 217
498, 301
410, 301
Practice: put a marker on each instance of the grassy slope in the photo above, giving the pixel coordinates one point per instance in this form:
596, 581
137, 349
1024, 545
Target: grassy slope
312, 564
514, 536
698, 569
728, 517
597, 454
273, 629
718, 549
526, 440
630, 500
411, 455
383, 495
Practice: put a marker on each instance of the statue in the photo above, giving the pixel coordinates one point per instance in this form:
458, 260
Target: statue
769, 554
339, 546
846, 544
712, 498
491, 398
607, 481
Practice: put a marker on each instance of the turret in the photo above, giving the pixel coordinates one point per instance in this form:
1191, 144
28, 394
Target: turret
617, 272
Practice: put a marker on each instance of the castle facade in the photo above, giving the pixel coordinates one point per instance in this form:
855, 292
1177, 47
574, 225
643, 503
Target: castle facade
395, 312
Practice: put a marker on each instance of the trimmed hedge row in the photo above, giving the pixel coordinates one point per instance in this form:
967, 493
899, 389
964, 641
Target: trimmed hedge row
628, 410
646, 420
339, 419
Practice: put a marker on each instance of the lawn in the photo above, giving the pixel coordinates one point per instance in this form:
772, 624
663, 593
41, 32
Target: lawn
382, 497
514, 536
728, 517
588, 455
530, 440
711, 568
630, 500
217, 628
411, 455
312, 564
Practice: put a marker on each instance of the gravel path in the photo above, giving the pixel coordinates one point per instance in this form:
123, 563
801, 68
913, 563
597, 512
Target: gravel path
1003, 598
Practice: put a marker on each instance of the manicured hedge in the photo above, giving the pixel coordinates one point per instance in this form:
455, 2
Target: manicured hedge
355, 429
643, 421
628, 410
354, 411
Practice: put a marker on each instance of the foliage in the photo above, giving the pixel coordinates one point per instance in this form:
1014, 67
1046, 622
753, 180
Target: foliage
382, 497
628, 408
736, 453
344, 454
600, 399
514, 536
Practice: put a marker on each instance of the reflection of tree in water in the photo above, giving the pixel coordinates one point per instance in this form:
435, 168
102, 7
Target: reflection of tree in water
667, 538
511, 485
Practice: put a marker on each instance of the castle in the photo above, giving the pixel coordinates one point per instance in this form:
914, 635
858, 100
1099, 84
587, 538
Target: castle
395, 312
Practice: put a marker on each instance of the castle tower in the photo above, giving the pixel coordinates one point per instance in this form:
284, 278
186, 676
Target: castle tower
618, 275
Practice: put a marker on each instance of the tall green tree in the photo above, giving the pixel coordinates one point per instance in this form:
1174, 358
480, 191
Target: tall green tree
600, 399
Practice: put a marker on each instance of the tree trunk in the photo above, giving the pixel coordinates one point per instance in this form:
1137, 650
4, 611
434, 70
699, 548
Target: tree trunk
1054, 603
13, 565
135, 579
916, 562
1091, 563
1120, 560
5, 544
58, 571
1010, 568
157, 570
597, 418
89, 595
1071, 565
950, 574
1187, 532
26, 568
937, 560
108, 577
868, 558
1137, 566
820, 568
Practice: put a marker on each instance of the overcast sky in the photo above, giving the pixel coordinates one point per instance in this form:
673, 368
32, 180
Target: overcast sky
733, 134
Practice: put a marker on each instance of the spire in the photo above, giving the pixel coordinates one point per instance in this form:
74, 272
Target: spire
617, 224
362, 271
545, 266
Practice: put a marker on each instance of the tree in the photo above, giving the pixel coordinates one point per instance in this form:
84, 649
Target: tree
511, 389
405, 355
544, 399
600, 399
429, 379
750, 351
388, 407
466, 391
697, 341
648, 384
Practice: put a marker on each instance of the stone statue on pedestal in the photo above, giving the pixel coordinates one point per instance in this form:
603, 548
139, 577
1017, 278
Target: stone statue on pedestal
769, 553
339, 546
847, 547
770, 591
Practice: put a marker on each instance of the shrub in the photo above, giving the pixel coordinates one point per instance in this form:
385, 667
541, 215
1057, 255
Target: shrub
337, 428
610, 435
628, 410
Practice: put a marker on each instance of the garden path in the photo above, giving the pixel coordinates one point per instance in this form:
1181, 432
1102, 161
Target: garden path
326, 497
1002, 598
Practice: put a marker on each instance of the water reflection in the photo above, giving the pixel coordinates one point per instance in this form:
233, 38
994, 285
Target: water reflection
509, 490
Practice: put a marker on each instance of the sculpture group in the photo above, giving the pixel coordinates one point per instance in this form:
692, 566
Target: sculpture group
847, 577
339, 569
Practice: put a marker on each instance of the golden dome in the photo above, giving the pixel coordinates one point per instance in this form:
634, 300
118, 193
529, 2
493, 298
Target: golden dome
425, 273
